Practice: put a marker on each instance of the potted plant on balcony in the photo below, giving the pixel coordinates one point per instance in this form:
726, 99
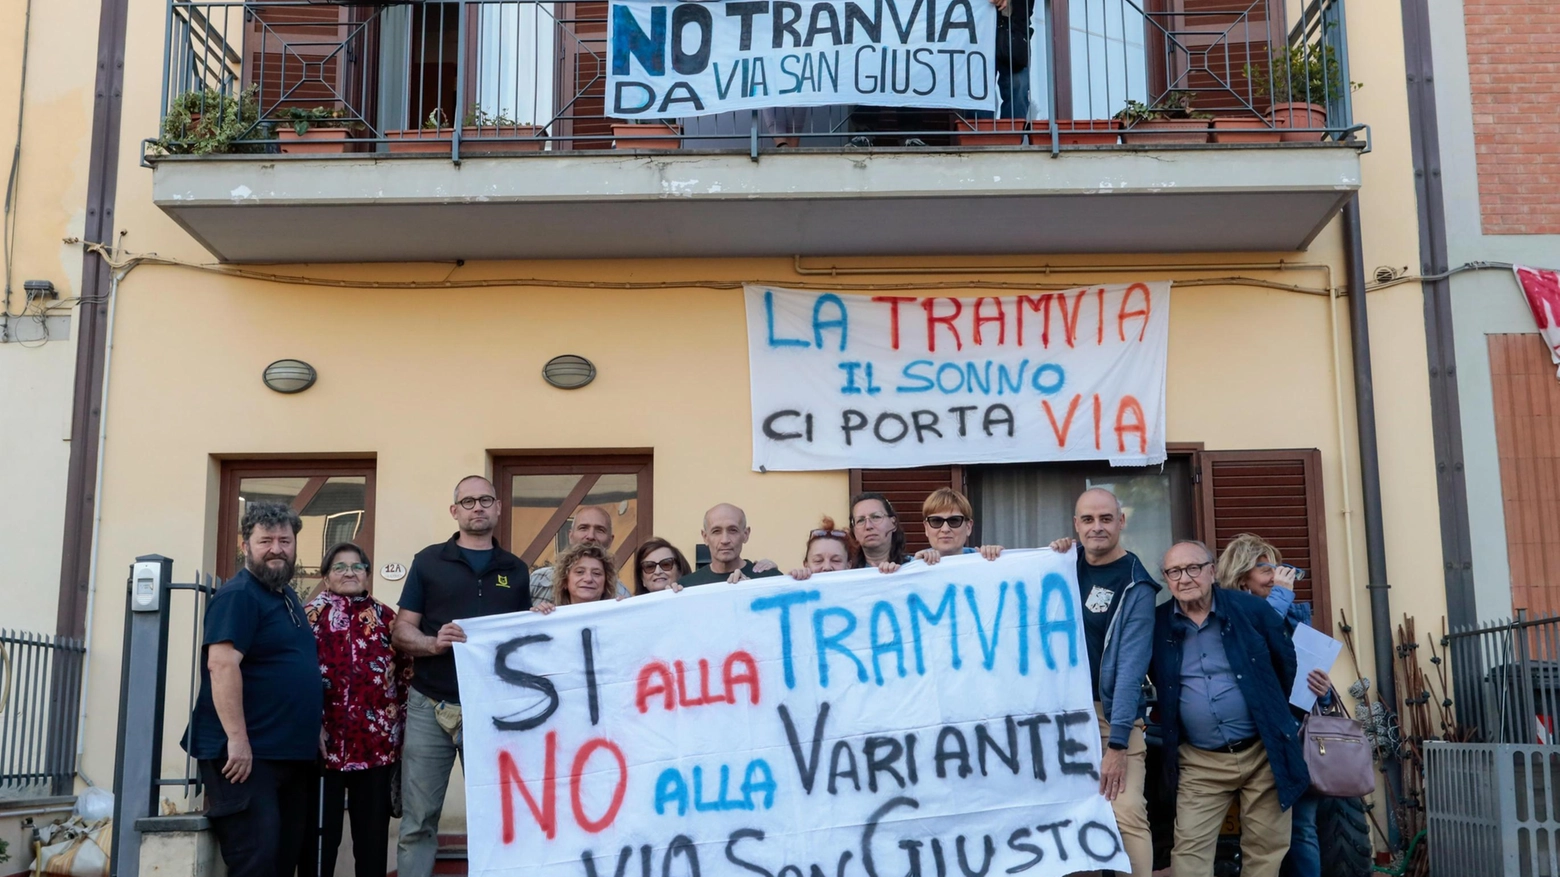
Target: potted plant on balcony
1300, 81
321, 130
480, 132
641, 135
208, 122
1172, 114
991, 132
496, 132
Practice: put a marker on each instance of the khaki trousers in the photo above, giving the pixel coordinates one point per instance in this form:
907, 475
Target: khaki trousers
1209, 782
1130, 806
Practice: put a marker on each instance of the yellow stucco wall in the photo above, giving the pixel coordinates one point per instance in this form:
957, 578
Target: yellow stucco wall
431, 381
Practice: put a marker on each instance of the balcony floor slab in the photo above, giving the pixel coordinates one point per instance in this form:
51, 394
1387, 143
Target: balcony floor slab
365, 208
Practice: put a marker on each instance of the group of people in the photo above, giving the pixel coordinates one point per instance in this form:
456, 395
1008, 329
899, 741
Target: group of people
383, 737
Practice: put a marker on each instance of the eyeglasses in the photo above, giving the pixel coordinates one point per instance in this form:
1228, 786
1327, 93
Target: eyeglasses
826, 534
1175, 573
344, 568
650, 566
936, 522
874, 519
472, 502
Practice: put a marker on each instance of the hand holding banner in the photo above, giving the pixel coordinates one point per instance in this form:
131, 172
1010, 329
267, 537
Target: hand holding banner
854, 725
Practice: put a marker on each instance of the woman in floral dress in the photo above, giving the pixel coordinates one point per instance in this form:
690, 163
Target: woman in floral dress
365, 705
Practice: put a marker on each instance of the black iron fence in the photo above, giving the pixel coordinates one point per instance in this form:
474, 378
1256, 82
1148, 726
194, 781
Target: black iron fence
473, 76
40, 695
1506, 675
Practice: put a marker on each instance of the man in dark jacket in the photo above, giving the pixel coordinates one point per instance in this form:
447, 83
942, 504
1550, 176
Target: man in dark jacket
1224, 667
469, 576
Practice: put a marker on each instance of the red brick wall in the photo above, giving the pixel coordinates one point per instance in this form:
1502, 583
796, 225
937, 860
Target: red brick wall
1514, 65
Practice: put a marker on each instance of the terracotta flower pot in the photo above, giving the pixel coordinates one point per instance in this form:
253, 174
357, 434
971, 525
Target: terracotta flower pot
991, 132
1243, 129
473, 140
1298, 115
315, 141
672, 138
1075, 132
1178, 131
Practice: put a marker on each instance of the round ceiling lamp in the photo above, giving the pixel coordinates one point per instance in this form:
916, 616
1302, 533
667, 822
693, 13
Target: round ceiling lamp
569, 372
290, 376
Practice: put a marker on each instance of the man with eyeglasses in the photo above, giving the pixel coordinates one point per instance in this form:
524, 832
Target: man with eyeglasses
468, 576
593, 525
949, 520
1118, 595
1224, 666
255, 730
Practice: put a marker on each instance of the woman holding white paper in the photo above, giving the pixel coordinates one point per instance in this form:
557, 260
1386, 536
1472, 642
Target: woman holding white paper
1252, 564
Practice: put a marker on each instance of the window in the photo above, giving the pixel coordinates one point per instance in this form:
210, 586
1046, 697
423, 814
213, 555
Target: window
335, 498
1029, 505
542, 493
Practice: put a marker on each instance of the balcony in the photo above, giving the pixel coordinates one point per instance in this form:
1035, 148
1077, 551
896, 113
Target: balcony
301, 131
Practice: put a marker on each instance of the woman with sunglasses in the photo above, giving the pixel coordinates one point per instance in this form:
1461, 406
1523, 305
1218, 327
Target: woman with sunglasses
658, 565
949, 522
1252, 564
365, 710
828, 549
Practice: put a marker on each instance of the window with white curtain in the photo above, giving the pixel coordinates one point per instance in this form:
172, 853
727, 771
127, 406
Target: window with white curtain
1106, 39
515, 59
1030, 505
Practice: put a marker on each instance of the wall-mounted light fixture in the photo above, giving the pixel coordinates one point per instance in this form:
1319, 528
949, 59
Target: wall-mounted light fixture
569, 372
290, 376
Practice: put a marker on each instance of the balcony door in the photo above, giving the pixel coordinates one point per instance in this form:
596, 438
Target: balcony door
1110, 51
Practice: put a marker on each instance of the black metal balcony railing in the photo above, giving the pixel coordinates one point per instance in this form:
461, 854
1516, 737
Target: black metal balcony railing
470, 76
40, 690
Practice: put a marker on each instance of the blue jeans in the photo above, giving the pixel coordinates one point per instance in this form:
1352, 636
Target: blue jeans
1305, 854
1013, 91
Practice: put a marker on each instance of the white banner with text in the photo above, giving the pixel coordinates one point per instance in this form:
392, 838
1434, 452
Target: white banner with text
846, 726
675, 59
844, 381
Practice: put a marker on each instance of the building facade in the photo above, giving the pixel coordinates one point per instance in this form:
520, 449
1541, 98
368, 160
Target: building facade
427, 278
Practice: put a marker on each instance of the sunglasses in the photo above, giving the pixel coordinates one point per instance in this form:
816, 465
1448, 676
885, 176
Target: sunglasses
650, 566
936, 522
826, 534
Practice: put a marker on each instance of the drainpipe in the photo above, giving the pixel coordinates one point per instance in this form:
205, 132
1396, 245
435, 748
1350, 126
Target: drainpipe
1370, 484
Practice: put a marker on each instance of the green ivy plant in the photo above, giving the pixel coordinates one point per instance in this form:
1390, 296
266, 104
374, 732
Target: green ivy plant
5, 851
1172, 106
301, 120
1304, 74
476, 117
209, 122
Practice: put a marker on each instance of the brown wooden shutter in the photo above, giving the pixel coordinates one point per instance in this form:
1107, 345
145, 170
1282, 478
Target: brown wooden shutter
302, 56
582, 76
906, 489
1278, 496
1527, 441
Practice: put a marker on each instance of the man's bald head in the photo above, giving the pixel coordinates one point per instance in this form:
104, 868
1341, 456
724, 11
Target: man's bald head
1098, 521
724, 511
725, 532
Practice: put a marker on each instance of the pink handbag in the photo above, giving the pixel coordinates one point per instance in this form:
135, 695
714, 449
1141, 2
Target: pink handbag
1337, 753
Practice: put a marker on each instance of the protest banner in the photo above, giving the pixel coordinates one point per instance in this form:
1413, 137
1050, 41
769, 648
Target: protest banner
671, 59
933, 722
890, 381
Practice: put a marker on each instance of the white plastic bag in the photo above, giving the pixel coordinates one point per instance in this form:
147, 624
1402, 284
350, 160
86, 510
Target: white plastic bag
94, 804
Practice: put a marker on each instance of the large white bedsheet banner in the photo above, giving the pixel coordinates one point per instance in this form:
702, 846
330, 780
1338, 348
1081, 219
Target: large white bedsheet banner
889, 381
854, 725
692, 59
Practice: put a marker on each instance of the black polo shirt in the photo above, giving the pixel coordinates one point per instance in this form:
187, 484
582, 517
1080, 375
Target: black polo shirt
443, 586
707, 576
283, 693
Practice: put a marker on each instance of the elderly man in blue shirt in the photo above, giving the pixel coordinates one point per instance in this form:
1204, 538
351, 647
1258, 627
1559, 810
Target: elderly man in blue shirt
1224, 666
